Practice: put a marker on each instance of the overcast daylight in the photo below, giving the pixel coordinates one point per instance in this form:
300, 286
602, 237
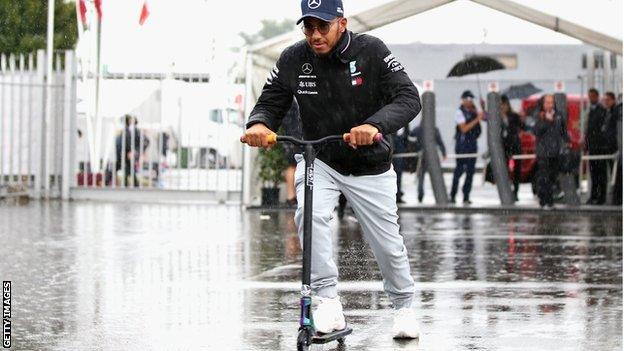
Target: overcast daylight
311, 175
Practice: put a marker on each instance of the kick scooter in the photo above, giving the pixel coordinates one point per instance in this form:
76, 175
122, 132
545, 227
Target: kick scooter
307, 333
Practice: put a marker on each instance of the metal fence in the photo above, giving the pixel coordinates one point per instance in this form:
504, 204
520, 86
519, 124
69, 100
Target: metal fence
446, 94
31, 132
168, 136
55, 141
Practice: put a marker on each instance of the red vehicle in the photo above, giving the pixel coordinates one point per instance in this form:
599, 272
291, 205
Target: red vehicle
528, 140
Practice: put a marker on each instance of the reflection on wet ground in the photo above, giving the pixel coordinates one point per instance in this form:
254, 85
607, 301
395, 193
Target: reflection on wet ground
104, 276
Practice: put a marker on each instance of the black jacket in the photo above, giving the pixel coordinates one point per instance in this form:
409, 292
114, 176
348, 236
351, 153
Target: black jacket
552, 137
610, 129
594, 139
359, 82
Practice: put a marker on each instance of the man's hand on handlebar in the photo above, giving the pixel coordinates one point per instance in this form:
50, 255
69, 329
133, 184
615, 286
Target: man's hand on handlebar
362, 135
257, 135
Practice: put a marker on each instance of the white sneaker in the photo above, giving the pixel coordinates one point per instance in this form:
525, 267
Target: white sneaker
328, 315
405, 324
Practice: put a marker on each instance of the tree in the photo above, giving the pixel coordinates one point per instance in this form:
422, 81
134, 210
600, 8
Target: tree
270, 28
23, 25
272, 165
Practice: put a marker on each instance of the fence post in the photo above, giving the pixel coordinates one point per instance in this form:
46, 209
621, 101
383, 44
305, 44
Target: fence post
567, 181
29, 120
20, 140
11, 137
246, 189
39, 125
430, 148
3, 133
497, 153
69, 133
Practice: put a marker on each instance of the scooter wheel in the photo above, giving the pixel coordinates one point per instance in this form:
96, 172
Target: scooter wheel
341, 340
303, 341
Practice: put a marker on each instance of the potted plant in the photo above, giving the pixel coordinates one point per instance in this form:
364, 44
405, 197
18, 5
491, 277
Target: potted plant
272, 165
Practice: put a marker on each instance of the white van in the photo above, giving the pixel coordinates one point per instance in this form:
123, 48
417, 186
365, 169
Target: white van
213, 138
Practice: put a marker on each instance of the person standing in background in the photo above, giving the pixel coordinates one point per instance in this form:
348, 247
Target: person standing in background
398, 163
613, 114
417, 133
512, 125
552, 137
128, 150
595, 145
617, 188
467, 132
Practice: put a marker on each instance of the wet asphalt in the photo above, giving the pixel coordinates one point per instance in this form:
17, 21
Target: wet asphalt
121, 276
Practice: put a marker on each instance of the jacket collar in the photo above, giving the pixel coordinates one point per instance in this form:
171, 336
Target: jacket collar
343, 48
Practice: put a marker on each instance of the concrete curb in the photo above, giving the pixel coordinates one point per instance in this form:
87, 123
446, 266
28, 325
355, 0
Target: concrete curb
610, 210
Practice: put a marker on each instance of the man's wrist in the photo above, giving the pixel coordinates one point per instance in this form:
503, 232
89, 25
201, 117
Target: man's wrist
253, 123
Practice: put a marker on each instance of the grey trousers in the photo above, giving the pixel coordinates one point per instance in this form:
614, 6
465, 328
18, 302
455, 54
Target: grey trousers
374, 204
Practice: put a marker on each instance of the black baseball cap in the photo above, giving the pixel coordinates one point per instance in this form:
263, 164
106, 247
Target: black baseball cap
325, 10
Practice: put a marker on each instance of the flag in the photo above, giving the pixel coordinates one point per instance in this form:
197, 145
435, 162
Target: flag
82, 10
144, 13
98, 8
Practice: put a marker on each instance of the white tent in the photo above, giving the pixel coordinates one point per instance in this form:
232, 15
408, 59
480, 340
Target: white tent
261, 57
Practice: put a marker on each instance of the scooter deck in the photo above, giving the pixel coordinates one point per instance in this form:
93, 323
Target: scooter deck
320, 338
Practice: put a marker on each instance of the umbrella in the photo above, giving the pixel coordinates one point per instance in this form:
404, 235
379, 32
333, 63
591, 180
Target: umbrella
475, 64
521, 91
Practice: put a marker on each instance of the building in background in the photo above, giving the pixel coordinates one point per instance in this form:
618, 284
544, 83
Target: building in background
542, 65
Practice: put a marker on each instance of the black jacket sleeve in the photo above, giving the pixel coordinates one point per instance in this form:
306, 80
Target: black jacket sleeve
275, 99
401, 96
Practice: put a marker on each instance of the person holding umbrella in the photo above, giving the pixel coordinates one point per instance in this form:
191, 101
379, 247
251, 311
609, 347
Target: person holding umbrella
467, 133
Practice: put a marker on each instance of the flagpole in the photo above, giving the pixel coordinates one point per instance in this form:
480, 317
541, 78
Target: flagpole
46, 133
98, 119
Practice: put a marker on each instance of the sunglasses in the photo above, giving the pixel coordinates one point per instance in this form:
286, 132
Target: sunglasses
323, 28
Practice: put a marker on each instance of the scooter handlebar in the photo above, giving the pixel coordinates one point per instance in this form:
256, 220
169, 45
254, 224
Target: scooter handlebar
273, 138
